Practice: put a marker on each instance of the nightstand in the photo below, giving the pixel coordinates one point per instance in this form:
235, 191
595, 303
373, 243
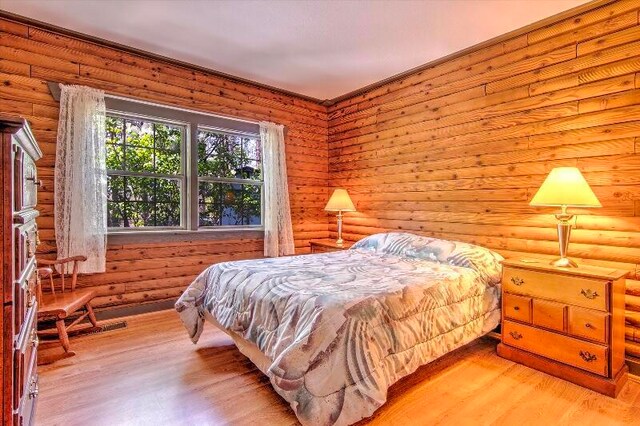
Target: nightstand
567, 322
328, 245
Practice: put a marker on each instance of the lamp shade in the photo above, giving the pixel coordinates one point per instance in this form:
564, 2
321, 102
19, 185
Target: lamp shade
340, 201
565, 186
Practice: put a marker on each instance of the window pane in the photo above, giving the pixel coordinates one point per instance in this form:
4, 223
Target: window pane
139, 133
115, 157
227, 204
251, 160
114, 127
251, 202
168, 137
167, 162
138, 159
147, 147
144, 146
142, 201
228, 156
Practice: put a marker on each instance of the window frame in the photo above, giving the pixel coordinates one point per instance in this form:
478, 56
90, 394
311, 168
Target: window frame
182, 177
189, 209
259, 183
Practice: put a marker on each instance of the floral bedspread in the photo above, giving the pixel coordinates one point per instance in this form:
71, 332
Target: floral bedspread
340, 328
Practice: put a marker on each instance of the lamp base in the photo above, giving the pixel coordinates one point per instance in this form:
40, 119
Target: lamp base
564, 262
564, 233
339, 242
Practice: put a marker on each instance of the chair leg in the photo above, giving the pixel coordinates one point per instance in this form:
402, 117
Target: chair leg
92, 315
62, 333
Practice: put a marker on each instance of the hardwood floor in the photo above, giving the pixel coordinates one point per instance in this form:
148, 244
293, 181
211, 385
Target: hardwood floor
150, 374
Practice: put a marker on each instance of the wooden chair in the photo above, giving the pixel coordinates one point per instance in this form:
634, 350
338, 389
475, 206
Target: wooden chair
60, 305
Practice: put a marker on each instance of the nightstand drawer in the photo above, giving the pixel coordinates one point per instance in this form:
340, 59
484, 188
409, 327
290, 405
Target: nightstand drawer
585, 292
578, 353
549, 314
588, 324
517, 307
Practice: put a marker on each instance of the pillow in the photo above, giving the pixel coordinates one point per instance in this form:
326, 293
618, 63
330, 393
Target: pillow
482, 260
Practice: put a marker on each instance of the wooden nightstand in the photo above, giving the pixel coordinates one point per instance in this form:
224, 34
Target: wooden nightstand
328, 245
567, 322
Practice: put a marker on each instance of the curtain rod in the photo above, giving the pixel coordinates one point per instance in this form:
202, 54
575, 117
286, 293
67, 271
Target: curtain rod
54, 88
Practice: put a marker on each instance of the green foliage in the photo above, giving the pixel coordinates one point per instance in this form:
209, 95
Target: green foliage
222, 155
143, 146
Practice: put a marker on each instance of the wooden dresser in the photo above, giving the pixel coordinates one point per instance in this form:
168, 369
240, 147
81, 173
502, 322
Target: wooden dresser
328, 245
567, 322
19, 279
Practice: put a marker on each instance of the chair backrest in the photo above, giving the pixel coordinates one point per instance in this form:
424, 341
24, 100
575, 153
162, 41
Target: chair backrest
63, 268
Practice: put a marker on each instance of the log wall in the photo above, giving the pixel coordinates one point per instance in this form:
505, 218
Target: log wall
458, 149
141, 273
455, 150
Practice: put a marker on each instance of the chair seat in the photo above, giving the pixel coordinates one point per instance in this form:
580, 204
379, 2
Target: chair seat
61, 305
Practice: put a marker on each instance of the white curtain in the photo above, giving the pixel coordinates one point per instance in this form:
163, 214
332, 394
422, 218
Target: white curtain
278, 233
80, 177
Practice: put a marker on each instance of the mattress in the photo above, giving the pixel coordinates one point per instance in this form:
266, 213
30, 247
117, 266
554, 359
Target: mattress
333, 331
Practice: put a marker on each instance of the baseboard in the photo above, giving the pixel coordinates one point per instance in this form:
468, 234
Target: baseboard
634, 368
127, 311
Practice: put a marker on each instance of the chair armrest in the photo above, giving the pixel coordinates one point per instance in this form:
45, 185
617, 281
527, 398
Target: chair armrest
44, 272
61, 261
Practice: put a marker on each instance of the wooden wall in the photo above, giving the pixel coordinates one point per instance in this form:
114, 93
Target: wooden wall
140, 273
455, 150
458, 149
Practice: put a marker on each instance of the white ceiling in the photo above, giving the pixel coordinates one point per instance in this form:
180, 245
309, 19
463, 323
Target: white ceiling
321, 49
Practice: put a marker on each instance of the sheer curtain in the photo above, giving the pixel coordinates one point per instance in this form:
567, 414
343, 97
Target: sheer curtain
278, 233
81, 178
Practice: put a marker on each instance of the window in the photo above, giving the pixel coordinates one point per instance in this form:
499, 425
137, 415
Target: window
183, 171
145, 173
229, 179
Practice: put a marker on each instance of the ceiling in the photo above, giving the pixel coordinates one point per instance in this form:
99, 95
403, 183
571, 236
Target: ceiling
321, 49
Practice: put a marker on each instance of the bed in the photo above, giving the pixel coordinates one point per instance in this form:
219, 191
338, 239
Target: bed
333, 331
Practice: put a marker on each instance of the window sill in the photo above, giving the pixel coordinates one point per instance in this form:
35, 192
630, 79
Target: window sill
182, 235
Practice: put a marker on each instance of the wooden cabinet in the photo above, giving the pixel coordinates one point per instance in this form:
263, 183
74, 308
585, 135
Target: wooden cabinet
567, 322
328, 245
18, 274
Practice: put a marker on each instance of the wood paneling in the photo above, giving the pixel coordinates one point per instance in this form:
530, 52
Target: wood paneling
458, 149
142, 273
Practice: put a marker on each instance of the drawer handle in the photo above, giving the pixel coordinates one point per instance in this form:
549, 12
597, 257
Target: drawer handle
587, 356
35, 341
588, 325
36, 182
516, 308
30, 252
589, 294
515, 335
517, 281
33, 389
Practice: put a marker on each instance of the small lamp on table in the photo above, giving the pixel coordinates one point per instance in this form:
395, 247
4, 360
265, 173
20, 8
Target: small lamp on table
565, 187
340, 202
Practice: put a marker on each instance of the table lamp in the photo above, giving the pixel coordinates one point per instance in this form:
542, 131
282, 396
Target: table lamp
565, 187
340, 202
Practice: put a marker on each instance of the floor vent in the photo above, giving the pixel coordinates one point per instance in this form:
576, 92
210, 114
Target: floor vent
110, 327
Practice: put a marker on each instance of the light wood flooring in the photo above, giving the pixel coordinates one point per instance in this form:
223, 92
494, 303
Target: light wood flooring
151, 374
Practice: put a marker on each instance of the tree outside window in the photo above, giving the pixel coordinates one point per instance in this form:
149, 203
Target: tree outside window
147, 175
